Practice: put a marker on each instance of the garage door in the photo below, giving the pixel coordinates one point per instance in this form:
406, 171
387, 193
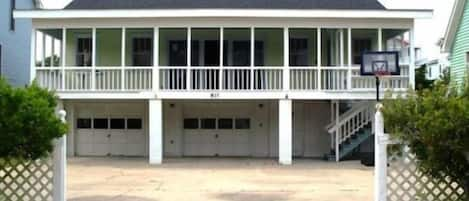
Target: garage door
108, 134
217, 130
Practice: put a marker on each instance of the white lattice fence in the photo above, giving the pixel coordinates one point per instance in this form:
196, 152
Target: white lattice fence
26, 181
406, 183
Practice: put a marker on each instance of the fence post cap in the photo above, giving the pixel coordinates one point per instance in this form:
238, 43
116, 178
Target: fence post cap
379, 107
62, 114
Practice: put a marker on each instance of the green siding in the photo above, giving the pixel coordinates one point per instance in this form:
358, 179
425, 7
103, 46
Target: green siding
460, 47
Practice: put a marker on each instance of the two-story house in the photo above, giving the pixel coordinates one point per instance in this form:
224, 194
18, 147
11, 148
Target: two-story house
456, 41
244, 78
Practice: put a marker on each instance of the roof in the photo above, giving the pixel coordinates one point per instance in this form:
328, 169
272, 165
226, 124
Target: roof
452, 28
228, 4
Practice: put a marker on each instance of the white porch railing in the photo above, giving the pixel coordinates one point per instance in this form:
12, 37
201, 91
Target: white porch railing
213, 78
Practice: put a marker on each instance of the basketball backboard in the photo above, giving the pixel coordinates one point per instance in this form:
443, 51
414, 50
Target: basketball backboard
380, 64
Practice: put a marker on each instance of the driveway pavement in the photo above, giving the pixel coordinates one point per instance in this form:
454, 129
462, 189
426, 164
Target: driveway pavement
193, 179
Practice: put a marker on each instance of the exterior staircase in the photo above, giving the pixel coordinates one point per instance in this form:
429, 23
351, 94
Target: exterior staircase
350, 130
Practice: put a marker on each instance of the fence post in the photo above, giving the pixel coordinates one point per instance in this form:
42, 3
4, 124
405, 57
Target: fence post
60, 165
380, 156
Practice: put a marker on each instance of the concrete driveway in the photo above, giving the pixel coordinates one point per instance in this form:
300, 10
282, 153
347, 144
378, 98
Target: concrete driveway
192, 179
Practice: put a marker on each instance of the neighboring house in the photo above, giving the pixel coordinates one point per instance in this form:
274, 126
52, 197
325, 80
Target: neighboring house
249, 78
456, 41
15, 41
434, 68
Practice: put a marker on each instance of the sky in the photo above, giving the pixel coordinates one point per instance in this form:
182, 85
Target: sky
427, 31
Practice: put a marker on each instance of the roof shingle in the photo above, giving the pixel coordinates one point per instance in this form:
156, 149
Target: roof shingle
227, 4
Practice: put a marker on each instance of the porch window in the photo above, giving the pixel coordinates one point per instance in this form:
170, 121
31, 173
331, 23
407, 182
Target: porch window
142, 51
363, 40
205, 50
108, 47
84, 51
268, 47
397, 40
48, 48
173, 47
334, 47
303, 47
237, 47
139, 47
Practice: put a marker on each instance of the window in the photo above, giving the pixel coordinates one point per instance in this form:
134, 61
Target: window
134, 124
225, 123
241, 53
299, 52
84, 51
83, 123
177, 53
359, 47
191, 123
12, 19
117, 123
142, 52
243, 123
208, 123
100, 123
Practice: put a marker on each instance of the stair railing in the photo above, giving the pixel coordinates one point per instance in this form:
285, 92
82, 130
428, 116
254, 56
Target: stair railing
350, 123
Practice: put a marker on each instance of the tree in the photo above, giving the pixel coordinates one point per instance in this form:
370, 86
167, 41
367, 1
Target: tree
421, 81
28, 122
434, 123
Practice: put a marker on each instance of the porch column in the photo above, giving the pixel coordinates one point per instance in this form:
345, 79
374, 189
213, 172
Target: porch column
155, 123
285, 132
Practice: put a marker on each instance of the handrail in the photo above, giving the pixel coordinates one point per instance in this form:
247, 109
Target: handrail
357, 106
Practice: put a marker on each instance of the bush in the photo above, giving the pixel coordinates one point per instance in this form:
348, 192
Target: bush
434, 123
28, 122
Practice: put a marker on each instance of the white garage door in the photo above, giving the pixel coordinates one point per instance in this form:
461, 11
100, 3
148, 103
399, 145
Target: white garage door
223, 133
105, 133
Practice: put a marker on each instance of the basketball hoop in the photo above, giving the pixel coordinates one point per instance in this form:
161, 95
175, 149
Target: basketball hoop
379, 64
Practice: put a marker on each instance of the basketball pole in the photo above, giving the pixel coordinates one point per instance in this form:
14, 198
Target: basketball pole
377, 88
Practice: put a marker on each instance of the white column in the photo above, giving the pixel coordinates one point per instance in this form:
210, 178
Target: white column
380, 157
337, 131
93, 60
286, 59
123, 47
32, 73
285, 132
412, 58
71, 132
319, 59
64, 55
349, 57
60, 165
156, 59
155, 123
189, 44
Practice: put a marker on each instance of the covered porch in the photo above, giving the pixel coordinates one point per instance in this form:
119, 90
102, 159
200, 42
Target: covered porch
171, 59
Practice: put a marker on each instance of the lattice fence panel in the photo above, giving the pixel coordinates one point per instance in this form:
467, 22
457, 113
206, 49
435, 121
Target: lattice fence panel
28, 181
407, 183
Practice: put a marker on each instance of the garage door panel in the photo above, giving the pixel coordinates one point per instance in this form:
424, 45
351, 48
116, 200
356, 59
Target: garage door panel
116, 129
101, 149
